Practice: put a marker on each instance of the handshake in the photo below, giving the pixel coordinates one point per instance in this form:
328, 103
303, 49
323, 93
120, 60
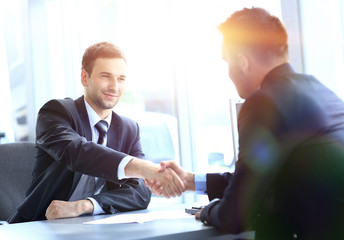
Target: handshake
171, 180
168, 179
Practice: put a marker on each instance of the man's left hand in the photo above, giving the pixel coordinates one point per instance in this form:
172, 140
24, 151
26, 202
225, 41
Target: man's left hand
198, 215
63, 209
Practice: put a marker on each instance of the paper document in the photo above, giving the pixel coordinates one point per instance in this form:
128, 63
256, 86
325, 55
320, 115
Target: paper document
142, 217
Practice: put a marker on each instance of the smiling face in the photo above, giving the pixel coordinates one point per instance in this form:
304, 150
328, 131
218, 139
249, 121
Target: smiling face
105, 85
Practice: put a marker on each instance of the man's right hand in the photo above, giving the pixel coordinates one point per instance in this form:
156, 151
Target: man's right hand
188, 178
170, 183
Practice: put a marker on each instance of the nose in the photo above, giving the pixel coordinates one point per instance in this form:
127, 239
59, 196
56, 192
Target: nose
113, 86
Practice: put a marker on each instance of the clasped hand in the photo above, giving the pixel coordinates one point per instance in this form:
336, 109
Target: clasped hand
159, 187
166, 182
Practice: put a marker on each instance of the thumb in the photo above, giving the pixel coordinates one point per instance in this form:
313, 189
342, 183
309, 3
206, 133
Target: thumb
163, 166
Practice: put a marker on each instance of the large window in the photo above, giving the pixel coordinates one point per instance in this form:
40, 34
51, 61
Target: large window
178, 87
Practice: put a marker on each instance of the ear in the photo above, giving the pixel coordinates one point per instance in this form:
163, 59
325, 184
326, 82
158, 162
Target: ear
84, 76
244, 62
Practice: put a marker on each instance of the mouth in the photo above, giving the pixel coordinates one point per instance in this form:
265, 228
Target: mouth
110, 95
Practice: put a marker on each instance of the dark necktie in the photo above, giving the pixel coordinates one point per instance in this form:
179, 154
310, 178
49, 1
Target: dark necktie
92, 185
102, 128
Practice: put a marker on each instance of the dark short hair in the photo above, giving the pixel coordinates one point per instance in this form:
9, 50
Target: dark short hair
255, 29
100, 50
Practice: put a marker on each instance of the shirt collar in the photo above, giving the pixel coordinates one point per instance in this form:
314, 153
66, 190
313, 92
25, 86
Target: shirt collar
94, 117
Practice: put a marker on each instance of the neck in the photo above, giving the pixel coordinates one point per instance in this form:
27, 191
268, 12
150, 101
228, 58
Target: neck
274, 64
260, 70
101, 112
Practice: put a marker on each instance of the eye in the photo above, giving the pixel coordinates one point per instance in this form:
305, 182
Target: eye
122, 79
104, 76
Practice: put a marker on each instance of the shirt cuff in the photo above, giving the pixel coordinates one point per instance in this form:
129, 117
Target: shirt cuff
121, 166
97, 209
201, 183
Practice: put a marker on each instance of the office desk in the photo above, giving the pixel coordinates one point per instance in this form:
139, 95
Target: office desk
74, 228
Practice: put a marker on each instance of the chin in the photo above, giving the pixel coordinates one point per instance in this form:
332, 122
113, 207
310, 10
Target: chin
240, 93
108, 105
242, 96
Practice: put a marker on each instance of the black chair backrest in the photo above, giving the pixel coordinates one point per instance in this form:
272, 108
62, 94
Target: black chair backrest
16, 163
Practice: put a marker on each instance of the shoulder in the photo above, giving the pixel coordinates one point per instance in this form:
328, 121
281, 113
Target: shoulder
59, 103
283, 92
59, 108
62, 105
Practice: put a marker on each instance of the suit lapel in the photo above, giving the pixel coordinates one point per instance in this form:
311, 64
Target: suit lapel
85, 131
85, 122
114, 132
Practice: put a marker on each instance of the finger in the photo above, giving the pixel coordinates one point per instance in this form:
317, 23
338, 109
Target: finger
162, 166
172, 185
156, 186
176, 191
198, 215
157, 190
169, 164
150, 183
48, 212
169, 191
165, 194
179, 187
160, 190
168, 184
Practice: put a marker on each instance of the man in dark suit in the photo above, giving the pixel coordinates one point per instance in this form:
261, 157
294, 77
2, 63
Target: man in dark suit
289, 180
89, 159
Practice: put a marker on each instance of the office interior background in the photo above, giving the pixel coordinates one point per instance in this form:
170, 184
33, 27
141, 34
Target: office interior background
177, 87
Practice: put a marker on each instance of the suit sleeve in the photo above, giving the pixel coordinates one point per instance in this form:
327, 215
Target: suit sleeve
128, 196
258, 154
216, 184
58, 127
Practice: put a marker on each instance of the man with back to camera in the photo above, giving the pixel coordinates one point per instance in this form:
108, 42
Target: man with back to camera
289, 180
89, 159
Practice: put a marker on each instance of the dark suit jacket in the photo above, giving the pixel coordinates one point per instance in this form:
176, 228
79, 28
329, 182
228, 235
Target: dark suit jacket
289, 178
65, 152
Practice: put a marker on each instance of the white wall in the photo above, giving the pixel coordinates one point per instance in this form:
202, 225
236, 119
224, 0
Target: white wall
322, 37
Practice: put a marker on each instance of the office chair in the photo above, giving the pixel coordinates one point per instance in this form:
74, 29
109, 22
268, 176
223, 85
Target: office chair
16, 163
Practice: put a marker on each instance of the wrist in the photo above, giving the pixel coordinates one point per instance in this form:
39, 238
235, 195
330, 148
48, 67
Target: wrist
85, 207
138, 168
190, 181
